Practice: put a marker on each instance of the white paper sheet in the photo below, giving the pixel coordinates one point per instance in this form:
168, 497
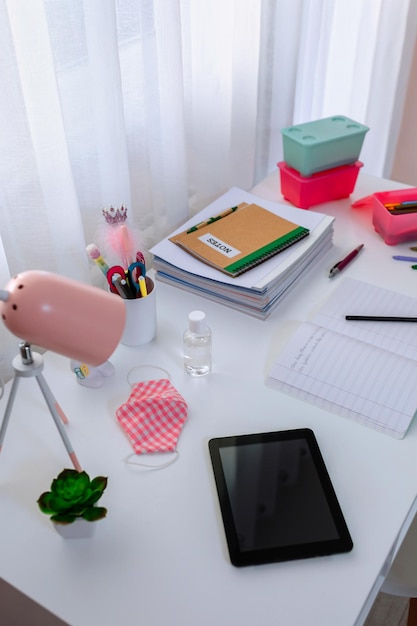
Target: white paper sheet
364, 370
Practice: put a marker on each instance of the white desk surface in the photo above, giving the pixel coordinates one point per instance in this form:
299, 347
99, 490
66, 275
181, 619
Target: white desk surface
160, 557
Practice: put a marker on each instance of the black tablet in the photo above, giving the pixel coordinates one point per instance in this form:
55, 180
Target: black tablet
276, 498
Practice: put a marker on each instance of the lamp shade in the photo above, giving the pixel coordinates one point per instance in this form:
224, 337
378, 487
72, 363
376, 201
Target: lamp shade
57, 313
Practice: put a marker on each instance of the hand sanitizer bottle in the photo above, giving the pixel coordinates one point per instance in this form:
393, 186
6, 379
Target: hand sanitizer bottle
197, 345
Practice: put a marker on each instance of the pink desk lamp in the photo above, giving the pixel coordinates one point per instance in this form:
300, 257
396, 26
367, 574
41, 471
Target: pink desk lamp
59, 314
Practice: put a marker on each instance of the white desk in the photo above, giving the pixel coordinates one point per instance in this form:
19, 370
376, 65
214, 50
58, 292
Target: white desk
160, 557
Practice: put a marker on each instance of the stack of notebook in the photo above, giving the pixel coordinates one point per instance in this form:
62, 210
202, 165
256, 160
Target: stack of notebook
244, 252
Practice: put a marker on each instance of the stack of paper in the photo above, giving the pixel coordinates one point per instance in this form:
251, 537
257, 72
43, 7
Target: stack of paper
259, 290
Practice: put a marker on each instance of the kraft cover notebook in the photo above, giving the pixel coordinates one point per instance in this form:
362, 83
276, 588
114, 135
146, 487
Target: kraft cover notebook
240, 238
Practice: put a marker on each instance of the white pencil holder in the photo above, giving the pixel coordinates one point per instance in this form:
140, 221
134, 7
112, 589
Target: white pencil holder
140, 327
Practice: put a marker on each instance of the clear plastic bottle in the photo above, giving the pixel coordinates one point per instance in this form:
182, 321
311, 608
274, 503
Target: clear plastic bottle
197, 345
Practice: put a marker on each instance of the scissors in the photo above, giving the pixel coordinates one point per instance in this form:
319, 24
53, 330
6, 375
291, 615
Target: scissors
132, 274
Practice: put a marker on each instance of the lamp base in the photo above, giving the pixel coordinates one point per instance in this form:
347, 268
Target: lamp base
27, 365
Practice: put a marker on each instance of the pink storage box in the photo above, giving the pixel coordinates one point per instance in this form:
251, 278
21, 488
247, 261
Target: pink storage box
331, 184
394, 228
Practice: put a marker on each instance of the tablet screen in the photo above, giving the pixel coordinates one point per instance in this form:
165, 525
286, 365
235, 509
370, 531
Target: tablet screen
276, 498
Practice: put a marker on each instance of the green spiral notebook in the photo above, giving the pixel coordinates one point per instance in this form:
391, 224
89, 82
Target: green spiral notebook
240, 238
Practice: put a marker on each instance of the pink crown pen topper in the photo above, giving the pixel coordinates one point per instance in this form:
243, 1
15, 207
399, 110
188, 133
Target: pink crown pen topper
118, 240
115, 216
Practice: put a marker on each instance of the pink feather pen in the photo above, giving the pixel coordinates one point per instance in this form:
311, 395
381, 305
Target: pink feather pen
127, 246
119, 241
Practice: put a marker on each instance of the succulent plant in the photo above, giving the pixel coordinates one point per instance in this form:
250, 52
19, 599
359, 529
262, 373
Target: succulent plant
72, 494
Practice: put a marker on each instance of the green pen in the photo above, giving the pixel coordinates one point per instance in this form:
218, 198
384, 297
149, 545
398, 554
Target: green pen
211, 220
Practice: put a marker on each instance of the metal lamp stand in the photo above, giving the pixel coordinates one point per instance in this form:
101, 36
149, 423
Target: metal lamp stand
26, 365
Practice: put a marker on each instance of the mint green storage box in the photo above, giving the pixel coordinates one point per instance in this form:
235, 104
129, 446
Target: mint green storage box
322, 144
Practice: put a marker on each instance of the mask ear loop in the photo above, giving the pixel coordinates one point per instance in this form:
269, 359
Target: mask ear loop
149, 465
144, 367
175, 452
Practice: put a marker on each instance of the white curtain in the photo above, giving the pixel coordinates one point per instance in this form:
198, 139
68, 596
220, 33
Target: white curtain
162, 105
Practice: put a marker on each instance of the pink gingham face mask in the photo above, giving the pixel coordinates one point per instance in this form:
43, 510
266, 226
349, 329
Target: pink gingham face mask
153, 416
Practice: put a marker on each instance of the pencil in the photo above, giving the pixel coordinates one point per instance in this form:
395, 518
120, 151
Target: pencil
213, 219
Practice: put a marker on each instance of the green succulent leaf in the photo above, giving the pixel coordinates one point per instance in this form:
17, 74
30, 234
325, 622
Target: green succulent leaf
99, 483
93, 498
59, 504
95, 513
45, 504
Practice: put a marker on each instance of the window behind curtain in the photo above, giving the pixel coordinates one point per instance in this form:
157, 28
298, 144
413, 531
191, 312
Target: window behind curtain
164, 104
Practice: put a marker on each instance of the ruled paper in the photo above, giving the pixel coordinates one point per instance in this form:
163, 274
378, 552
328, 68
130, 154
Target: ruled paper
356, 369
354, 297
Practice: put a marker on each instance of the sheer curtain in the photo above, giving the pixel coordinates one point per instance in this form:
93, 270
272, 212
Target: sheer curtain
162, 105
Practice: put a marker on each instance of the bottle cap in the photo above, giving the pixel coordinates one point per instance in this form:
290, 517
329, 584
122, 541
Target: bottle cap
197, 322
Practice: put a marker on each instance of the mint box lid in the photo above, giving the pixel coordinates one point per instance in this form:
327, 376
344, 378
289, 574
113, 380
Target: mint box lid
322, 144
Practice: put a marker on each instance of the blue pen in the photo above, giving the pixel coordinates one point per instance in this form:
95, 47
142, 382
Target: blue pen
412, 259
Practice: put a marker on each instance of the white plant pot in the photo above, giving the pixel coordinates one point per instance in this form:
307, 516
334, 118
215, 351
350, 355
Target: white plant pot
79, 529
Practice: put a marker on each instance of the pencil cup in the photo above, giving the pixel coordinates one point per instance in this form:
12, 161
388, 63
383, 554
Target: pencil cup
140, 325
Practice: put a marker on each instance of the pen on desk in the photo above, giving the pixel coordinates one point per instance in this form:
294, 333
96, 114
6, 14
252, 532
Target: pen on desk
342, 264
379, 318
212, 219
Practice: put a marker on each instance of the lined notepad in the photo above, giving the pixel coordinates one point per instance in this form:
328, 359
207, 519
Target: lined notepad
366, 371
240, 238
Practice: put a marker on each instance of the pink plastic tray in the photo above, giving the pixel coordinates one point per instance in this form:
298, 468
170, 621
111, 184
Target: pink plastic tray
331, 184
394, 228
